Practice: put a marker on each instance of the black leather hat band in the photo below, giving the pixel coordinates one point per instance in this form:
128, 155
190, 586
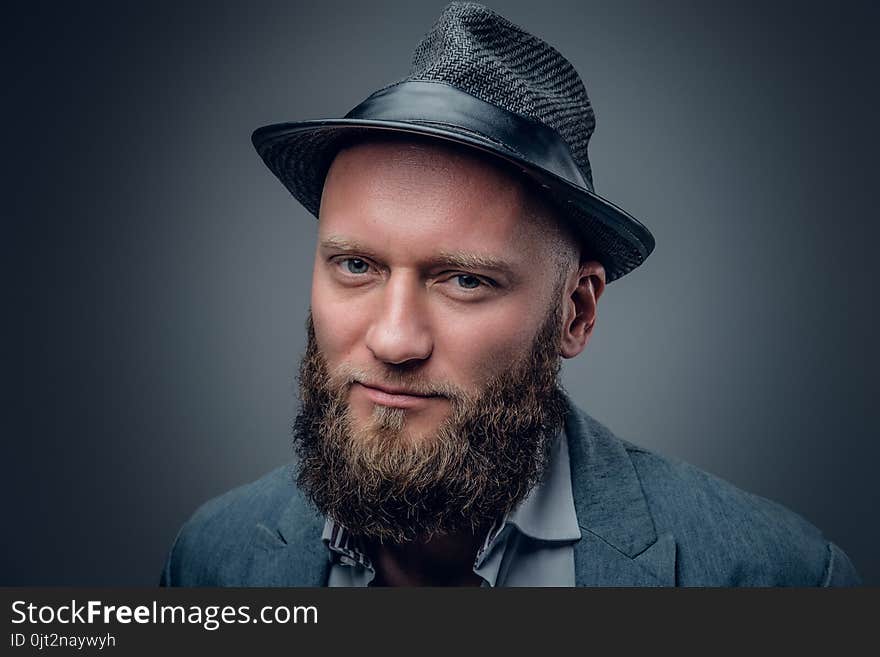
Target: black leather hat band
425, 101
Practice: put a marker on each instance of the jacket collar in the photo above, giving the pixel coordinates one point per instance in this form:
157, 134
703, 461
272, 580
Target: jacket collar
619, 545
290, 553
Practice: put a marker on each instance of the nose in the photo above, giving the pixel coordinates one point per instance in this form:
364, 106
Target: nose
400, 333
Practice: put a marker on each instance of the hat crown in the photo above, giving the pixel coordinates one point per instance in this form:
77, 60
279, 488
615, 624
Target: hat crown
482, 53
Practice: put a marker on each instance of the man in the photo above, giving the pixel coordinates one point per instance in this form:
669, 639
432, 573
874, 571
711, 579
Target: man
461, 253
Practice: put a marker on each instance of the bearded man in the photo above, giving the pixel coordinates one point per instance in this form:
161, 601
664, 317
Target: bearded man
461, 253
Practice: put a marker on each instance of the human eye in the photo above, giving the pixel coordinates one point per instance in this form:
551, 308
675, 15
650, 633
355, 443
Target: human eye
467, 286
355, 266
352, 270
468, 281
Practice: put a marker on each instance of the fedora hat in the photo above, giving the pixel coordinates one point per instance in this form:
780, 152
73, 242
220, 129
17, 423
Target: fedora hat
482, 82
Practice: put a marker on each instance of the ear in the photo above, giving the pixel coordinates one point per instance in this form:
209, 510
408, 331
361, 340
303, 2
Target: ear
583, 293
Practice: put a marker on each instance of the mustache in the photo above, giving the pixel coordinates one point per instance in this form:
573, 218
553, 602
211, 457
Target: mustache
344, 375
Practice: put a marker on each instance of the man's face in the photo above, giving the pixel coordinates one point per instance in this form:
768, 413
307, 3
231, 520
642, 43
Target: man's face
430, 280
430, 398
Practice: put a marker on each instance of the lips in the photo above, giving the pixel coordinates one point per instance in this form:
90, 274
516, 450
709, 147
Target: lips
393, 397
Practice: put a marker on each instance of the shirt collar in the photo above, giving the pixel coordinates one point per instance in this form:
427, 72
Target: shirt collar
343, 545
547, 513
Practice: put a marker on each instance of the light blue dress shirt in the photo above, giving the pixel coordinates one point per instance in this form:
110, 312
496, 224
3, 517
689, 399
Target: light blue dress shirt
534, 546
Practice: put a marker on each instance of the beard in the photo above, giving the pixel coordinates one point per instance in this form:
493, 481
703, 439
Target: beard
479, 464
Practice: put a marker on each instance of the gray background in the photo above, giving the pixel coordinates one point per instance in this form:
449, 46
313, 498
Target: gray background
158, 275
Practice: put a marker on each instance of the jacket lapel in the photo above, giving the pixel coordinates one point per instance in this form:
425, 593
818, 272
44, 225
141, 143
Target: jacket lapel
290, 553
619, 546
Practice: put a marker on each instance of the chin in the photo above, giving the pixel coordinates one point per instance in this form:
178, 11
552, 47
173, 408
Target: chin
407, 425
418, 433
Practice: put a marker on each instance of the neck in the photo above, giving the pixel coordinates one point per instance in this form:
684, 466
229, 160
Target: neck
446, 560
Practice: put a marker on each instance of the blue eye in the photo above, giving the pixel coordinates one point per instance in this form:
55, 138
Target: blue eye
468, 282
356, 266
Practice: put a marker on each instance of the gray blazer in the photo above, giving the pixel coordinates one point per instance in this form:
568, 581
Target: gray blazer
646, 520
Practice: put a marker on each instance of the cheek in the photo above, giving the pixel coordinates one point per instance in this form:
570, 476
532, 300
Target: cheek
339, 324
489, 348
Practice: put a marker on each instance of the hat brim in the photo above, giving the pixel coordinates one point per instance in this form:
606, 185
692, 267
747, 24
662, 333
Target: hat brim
300, 155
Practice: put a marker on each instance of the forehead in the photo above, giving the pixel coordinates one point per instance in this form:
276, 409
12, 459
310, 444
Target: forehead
421, 197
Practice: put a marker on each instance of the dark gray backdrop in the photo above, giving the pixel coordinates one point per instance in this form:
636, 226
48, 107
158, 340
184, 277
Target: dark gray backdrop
158, 275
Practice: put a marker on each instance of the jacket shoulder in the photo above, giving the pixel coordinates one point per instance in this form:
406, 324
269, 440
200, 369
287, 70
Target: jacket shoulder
213, 545
726, 536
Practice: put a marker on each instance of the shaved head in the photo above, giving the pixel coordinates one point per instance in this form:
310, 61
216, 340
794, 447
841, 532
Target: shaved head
537, 208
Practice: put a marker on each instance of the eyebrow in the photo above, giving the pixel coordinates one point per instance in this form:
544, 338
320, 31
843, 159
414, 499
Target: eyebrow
342, 244
473, 261
457, 259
